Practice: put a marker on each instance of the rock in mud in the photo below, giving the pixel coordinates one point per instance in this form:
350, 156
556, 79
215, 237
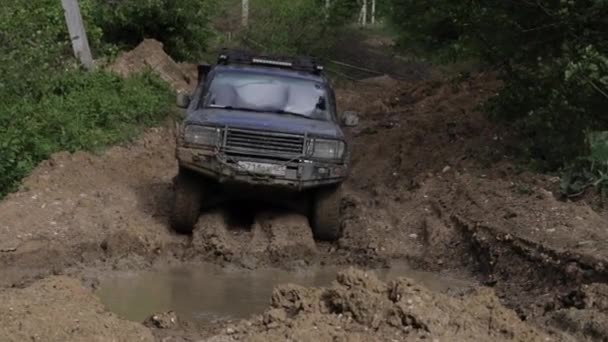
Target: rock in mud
596, 296
164, 320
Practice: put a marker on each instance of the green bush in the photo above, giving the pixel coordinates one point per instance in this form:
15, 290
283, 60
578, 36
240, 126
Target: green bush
34, 44
81, 111
297, 26
553, 57
49, 104
426, 25
182, 25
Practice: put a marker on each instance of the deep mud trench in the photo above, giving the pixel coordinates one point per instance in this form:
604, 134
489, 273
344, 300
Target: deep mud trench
430, 187
535, 281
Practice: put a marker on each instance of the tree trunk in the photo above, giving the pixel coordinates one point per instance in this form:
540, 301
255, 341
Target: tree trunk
363, 15
373, 19
245, 13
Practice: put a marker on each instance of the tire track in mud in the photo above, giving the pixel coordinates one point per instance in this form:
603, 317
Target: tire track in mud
541, 284
273, 238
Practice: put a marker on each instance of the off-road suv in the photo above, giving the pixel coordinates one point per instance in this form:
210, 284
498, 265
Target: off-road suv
263, 128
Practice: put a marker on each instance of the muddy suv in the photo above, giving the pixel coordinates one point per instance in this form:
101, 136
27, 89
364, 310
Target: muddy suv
264, 129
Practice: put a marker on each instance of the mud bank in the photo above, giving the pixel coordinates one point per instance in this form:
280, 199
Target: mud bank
359, 307
61, 309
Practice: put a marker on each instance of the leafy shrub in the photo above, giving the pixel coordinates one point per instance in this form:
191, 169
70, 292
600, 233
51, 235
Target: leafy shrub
297, 26
34, 44
425, 24
80, 111
49, 104
182, 25
553, 56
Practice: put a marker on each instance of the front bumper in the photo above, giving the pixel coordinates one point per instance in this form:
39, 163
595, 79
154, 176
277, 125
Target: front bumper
299, 174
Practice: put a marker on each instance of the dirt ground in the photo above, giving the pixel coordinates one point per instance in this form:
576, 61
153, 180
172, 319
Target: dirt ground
432, 184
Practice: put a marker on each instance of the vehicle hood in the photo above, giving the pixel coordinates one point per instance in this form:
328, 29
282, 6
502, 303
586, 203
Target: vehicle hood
264, 121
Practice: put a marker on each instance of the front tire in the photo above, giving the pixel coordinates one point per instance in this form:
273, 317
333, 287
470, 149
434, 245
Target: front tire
326, 214
187, 202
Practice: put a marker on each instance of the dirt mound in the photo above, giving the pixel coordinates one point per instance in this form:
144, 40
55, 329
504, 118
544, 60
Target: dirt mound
410, 134
421, 128
61, 309
149, 54
85, 208
359, 307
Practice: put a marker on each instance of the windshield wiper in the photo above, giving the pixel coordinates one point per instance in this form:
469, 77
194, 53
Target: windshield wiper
275, 111
245, 109
285, 112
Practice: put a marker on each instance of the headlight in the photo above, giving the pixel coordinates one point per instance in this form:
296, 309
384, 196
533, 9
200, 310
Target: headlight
328, 149
201, 135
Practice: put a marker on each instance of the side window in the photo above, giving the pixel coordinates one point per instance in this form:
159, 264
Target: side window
333, 104
204, 89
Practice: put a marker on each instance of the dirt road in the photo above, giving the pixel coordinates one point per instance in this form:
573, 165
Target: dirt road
431, 184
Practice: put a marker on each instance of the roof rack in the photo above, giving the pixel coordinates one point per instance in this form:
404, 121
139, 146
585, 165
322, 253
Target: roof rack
299, 63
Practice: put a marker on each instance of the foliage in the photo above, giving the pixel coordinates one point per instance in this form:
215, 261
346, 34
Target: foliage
588, 171
182, 25
342, 12
49, 104
553, 55
425, 24
297, 26
80, 111
33, 45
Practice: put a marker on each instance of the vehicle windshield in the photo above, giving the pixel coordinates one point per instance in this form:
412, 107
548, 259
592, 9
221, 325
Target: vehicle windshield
268, 93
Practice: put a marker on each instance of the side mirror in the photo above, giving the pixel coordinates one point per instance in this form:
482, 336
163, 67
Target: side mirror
183, 100
321, 104
349, 118
203, 70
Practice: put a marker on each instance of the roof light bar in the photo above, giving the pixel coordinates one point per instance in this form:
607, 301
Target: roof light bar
271, 62
307, 64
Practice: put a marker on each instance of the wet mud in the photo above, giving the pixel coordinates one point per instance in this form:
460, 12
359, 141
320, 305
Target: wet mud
432, 186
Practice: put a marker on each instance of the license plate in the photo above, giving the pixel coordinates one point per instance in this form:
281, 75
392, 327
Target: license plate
264, 168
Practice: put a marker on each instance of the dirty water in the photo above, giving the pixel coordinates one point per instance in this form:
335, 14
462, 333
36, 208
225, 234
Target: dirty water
205, 292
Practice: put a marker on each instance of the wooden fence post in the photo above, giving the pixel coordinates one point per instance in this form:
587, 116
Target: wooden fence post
78, 35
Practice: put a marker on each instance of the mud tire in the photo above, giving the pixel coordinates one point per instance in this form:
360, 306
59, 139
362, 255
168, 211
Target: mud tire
326, 215
187, 201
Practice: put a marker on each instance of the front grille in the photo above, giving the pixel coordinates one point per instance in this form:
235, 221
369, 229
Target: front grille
261, 144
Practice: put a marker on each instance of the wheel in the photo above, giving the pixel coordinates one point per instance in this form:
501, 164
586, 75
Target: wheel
187, 202
326, 216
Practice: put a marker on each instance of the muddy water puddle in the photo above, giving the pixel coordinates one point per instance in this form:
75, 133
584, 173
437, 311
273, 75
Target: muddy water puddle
205, 293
